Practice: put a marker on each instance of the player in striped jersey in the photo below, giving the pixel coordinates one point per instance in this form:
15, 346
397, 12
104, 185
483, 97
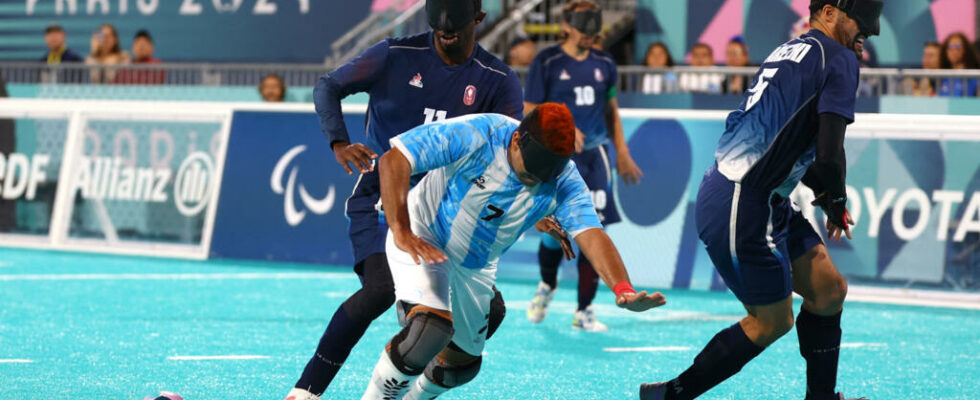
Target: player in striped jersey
490, 178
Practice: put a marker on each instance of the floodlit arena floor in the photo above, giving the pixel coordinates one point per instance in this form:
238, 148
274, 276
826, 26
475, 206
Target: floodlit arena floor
85, 326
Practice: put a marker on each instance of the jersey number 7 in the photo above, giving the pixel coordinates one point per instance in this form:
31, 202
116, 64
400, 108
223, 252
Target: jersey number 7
760, 86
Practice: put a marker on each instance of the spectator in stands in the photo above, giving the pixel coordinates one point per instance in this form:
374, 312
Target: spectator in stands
106, 51
736, 55
522, 51
58, 52
701, 82
273, 89
142, 54
924, 86
656, 83
957, 53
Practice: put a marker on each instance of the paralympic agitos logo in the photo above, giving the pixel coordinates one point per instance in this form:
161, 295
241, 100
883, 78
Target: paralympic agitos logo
293, 215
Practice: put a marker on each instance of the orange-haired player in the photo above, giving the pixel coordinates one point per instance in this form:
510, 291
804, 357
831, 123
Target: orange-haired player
490, 178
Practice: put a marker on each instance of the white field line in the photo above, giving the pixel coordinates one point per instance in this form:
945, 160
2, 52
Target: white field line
205, 358
175, 277
15, 361
914, 297
645, 349
860, 344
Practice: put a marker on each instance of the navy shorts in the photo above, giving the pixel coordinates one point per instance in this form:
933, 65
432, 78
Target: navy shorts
365, 223
752, 236
596, 171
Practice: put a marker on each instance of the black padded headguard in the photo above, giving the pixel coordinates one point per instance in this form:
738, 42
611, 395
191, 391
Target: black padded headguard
451, 15
588, 22
864, 12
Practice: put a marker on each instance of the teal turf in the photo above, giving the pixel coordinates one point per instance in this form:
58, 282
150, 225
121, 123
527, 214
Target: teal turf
109, 338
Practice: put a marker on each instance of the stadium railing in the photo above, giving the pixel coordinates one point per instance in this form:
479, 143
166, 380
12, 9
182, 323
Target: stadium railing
632, 78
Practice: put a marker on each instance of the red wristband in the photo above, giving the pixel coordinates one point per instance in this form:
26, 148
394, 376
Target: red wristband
623, 287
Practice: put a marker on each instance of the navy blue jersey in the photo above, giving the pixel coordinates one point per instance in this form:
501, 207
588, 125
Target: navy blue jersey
584, 86
410, 85
769, 140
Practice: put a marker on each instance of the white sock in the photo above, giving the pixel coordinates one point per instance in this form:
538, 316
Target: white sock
424, 389
387, 382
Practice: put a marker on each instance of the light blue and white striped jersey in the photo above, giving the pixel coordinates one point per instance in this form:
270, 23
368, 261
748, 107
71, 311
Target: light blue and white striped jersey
471, 203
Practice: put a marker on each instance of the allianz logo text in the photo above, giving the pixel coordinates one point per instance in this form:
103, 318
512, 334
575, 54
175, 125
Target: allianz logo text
112, 178
317, 206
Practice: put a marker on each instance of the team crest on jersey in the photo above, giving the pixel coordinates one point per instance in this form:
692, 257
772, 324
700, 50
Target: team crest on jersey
564, 76
416, 80
598, 75
469, 95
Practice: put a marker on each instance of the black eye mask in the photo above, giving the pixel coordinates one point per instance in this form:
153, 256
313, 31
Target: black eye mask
538, 160
866, 14
588, 22
450, 15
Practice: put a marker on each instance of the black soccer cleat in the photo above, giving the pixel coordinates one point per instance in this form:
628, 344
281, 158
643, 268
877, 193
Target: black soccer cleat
653, 391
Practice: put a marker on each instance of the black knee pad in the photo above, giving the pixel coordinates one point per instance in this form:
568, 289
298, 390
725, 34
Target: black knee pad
450, 376
424, 336
377, 293
498, 310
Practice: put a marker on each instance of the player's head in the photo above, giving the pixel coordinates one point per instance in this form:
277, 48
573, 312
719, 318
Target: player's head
848, 22
581, 23
543, 143
454, 25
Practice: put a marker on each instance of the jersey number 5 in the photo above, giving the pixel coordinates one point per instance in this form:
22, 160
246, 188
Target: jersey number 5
760, 86
434, 115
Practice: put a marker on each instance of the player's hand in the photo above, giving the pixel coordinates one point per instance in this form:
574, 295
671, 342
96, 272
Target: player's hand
839, 219
419, 249
628, 169
358, 155
551, 226
579, 140
640, 301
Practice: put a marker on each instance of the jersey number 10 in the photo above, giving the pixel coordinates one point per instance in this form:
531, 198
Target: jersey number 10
584, 95
760, 86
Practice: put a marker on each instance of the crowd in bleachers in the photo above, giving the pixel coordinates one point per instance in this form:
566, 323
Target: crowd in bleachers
954, 53
106, 50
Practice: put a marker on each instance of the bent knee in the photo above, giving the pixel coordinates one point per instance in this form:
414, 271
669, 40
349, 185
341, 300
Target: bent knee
775, 326
831, 299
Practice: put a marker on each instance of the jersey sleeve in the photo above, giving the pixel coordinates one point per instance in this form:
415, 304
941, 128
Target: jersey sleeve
535, 85
441, 143
613, 79
509, 99
355, 76
839, 93
575, 211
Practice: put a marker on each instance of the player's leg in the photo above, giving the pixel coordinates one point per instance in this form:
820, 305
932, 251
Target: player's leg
818, 324
753, 268
477, 307
376, 295
549, 259
423, 293
596, 170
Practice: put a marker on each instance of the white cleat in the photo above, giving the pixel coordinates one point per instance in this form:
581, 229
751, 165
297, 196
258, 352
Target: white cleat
538, 309
585, 320
301, 394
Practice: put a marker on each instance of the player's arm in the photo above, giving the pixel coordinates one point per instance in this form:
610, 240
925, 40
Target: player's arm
827, 174
355, 76
614, 125
420, 149
835, 110
597, 246
577, 215
396, 174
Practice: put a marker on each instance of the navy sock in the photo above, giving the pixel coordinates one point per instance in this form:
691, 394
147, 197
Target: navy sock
820, 347
335, 345
721, 358
549, 259
588, 282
